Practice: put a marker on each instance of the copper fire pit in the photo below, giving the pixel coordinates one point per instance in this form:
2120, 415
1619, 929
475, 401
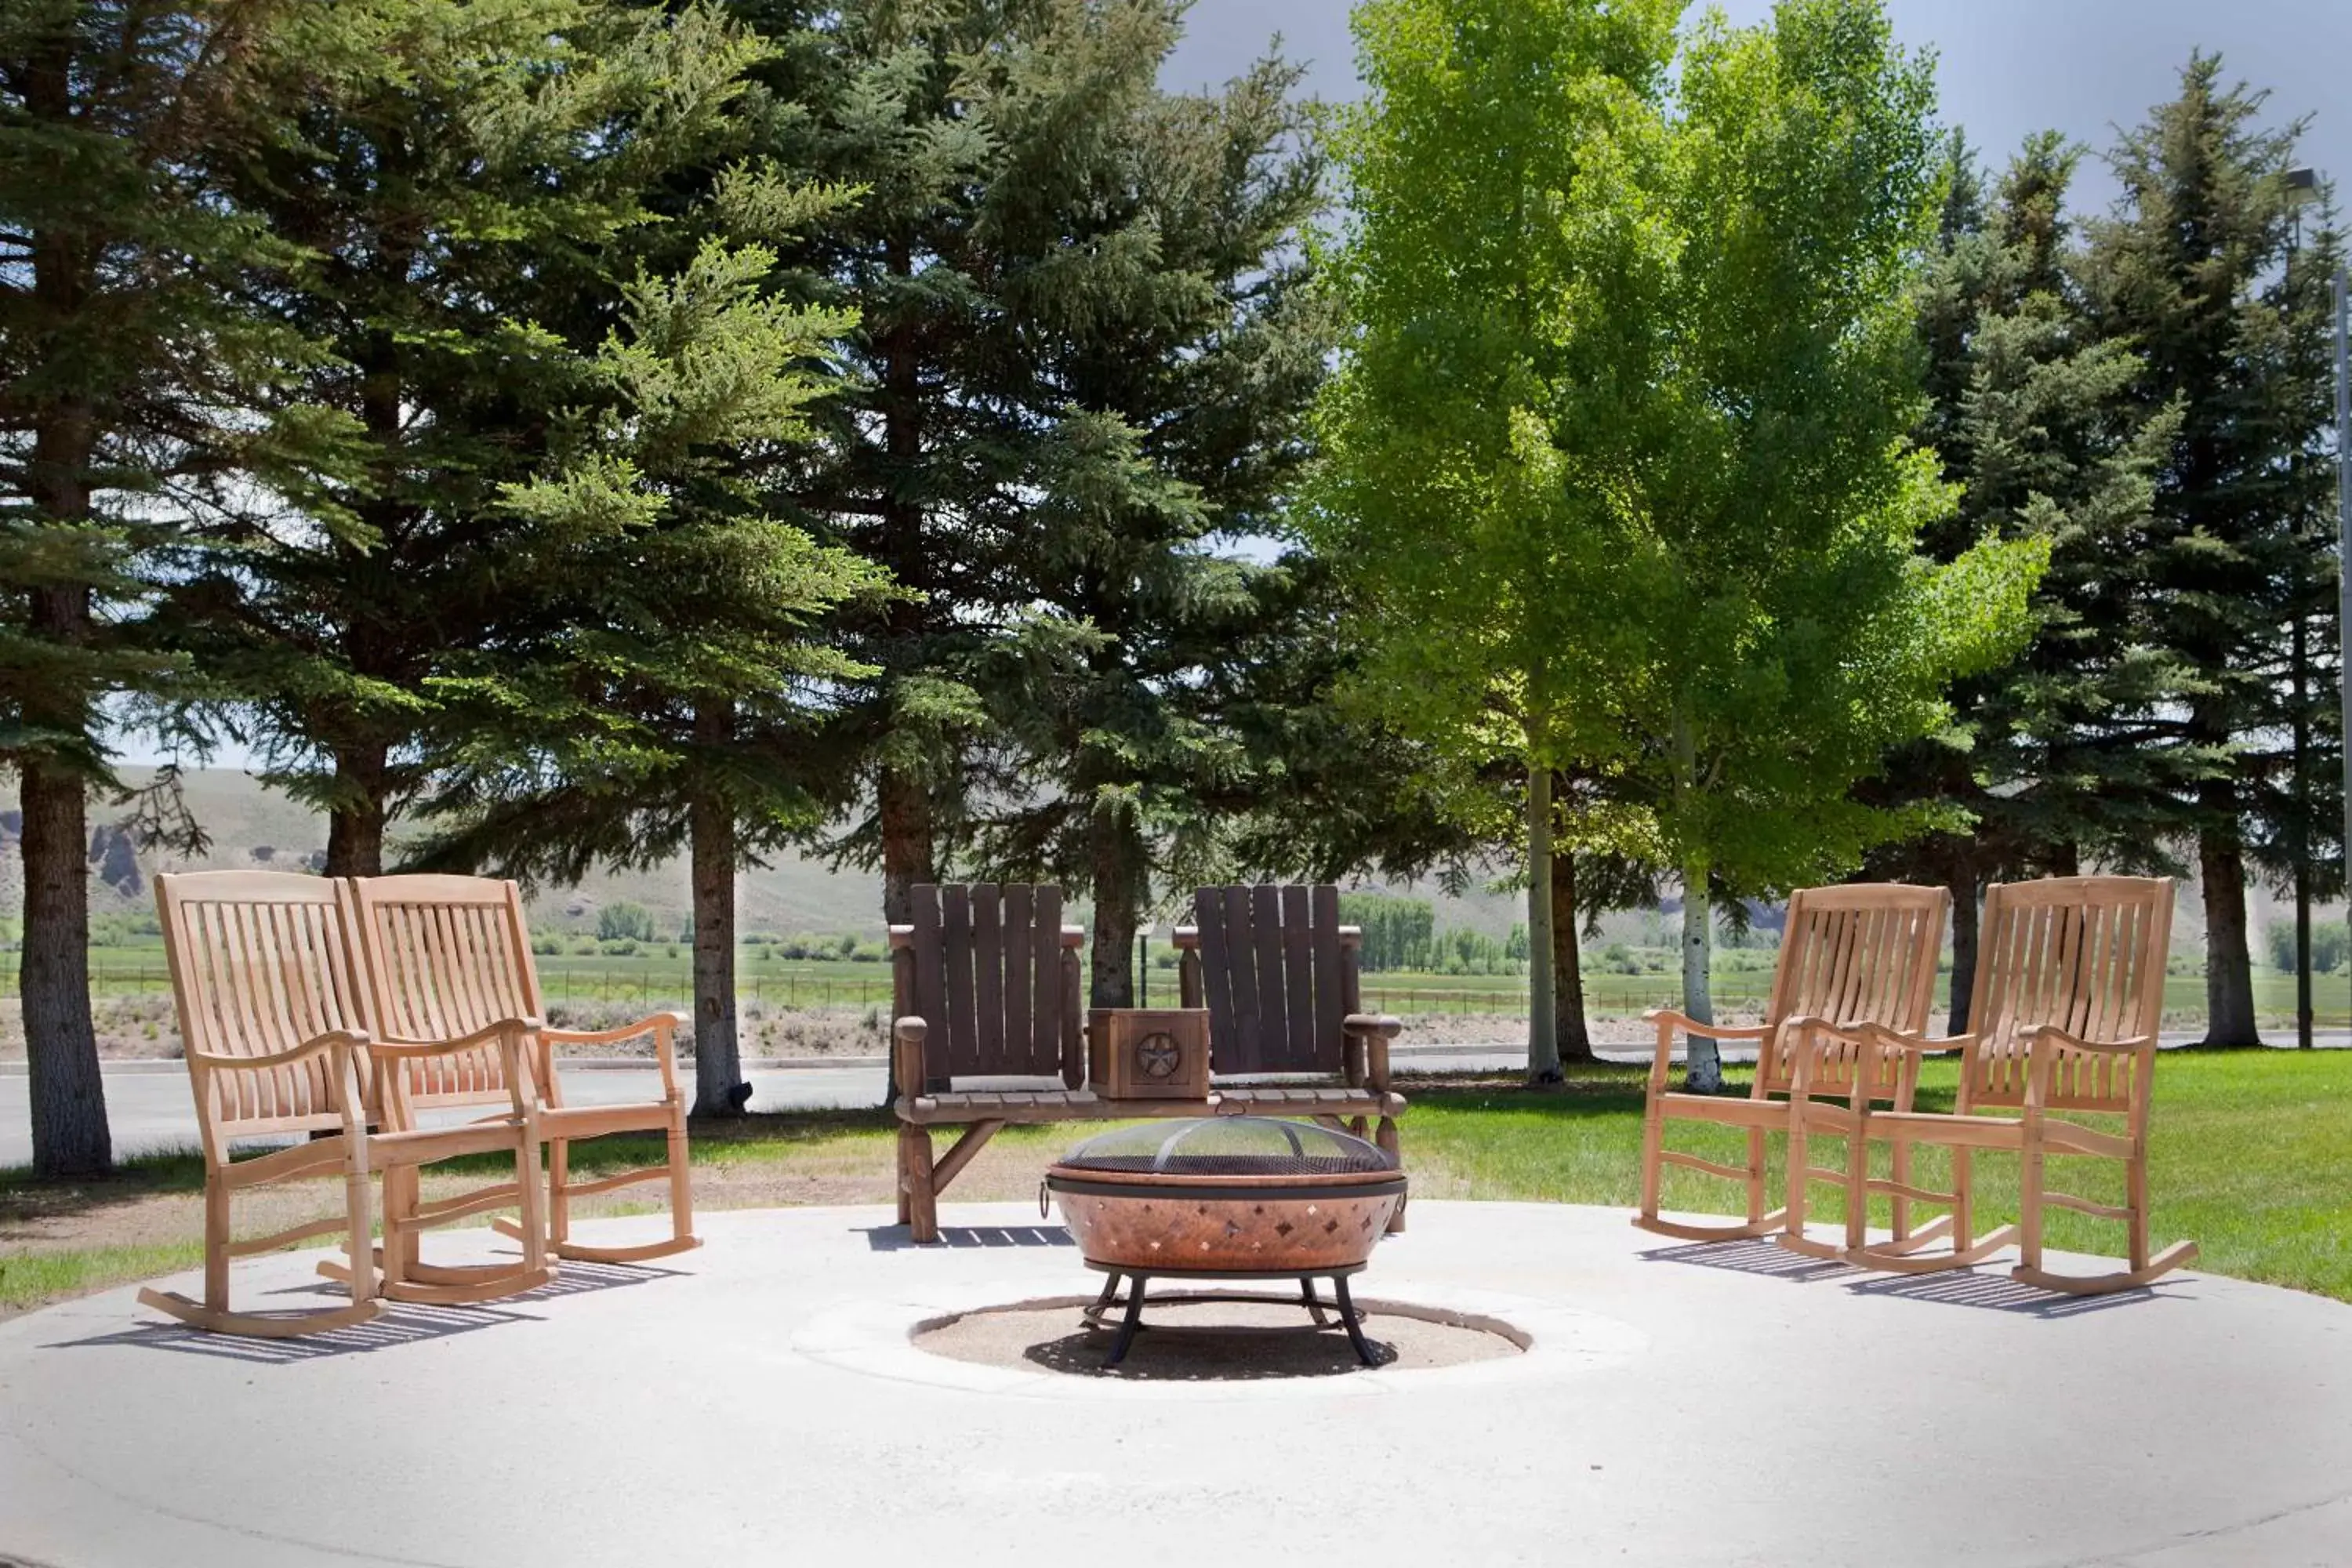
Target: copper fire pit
1226, 1197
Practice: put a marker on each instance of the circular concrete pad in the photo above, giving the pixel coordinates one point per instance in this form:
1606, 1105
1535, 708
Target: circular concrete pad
751, 1402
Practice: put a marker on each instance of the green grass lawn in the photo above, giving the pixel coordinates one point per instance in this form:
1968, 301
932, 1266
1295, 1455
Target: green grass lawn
2252, 1158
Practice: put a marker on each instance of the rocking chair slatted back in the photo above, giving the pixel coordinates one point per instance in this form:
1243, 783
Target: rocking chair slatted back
261, 961
446, 956
1278, 976
993, 973
2085, 954
1863, 953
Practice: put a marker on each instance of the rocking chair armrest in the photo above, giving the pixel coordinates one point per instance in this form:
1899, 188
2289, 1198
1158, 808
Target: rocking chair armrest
662, 1027
656, 1023
1670, 1020
508, 1035
1386, 1026
397, 1048
1869, 1032
333, 1039
2049, 1037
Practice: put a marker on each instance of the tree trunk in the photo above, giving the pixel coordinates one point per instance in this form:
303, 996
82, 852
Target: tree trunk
2229, 966
718, 1068
1703, 1073
68, 1095
1575, 1041
1117, 851
1543, 1038
70, 1131
905, 806
1963, 884
355, 829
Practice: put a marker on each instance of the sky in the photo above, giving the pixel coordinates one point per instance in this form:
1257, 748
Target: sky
2005, 68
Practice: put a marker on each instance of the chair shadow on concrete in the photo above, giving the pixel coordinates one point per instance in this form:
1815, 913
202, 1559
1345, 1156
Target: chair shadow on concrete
1992, 1290
400, 1323
1759, 1256
897, 1238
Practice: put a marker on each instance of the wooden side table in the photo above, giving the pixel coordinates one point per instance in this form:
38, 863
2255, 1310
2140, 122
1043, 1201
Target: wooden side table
1148, 1053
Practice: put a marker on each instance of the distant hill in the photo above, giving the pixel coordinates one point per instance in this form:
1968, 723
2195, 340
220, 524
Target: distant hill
252, 827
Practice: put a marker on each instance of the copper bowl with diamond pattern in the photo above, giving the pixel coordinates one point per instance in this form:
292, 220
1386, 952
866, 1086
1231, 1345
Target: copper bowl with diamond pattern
1243, 1195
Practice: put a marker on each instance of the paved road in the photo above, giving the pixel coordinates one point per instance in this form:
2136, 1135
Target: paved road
148, 1106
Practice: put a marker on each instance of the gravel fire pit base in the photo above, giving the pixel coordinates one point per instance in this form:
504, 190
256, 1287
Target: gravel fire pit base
1214, 1341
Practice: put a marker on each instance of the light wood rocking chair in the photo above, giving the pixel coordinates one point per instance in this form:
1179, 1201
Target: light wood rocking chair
1863, 952
2064, 1015
451, 955
265, 982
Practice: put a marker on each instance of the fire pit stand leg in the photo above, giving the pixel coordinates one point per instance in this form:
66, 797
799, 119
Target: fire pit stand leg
1313, 1302
1128, 1324
1348, 1316
1110, 1289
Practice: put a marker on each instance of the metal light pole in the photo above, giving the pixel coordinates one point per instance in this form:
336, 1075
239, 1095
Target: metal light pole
2302, 191
2344, 537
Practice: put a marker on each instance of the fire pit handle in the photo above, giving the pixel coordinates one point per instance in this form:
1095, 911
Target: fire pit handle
1044, 1204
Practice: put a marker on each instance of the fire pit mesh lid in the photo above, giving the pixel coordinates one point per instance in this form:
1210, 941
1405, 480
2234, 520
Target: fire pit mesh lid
1228, 1146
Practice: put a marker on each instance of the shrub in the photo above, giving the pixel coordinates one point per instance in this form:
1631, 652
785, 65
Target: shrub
624, 921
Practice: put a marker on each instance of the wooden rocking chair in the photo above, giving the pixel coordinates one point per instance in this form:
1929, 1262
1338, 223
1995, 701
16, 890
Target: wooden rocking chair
451, 955
266, 982
2064, 1015
1865, 951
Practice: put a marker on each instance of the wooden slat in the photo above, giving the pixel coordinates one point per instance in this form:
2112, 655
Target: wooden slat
1047, 1003
1298, 1045
1693, 1162
1241, 952
955, 949
988, 979
1332, 1000
1266, 959
1217, 979
931, 976
1019, 959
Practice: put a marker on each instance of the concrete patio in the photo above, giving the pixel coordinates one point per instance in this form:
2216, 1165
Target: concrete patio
757, 1401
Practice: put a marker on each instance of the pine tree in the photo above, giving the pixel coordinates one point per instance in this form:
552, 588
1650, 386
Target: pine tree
464, 213
1014, 243
672, 669
125, 355
2191, 272
1190, 346
2032, 416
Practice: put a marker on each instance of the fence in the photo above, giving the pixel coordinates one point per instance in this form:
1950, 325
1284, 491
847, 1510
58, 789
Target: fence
114, 973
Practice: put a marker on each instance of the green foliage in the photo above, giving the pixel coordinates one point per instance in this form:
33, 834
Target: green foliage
625, 920
2033, 416
2331, 944
1620, 453
1084, 355
1397, 931
2223, 295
